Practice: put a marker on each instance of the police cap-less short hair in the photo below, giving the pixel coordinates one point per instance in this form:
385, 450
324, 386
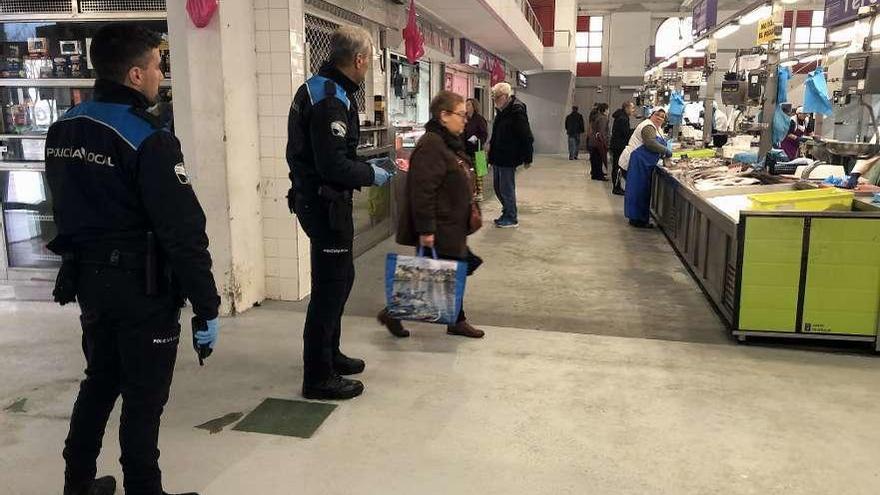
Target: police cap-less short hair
118, 47
347, 43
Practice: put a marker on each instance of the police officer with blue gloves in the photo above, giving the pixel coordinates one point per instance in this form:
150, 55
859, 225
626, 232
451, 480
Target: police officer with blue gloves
323, 135
132, 237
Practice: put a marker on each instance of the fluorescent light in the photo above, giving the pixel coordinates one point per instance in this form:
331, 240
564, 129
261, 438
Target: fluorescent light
810, 58
756, 15
702, 44
841, 35
474, 60
789, 2
726, 31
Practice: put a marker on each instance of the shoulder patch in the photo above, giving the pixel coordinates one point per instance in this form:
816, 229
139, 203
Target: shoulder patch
180, 172
339, 129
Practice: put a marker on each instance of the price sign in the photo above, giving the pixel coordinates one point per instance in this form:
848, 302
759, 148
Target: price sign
766, 31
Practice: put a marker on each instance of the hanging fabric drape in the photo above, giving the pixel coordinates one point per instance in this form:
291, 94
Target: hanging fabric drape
412, 35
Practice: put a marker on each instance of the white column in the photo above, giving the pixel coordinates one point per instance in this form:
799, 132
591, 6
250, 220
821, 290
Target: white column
280, 46
215, 94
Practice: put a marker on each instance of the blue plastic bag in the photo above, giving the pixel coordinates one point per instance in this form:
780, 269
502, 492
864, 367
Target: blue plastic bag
781, 124
816, 98
418, 288
676, 108
783, 75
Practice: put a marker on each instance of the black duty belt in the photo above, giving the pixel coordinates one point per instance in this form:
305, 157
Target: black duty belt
113, 257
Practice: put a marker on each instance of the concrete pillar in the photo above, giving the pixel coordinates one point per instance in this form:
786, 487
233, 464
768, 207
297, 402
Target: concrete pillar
215, 108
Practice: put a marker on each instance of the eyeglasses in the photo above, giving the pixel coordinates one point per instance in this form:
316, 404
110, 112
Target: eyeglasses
460, 114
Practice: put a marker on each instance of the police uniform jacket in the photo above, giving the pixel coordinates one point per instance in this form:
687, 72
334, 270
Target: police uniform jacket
115, 174
323, 135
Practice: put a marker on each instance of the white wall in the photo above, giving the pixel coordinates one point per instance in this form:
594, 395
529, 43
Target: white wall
548, 98
628, 35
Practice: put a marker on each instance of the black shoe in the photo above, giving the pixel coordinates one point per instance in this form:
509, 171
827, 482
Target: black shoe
100, 486
345, 365
641, 225
187, 493
617, 191
333, 388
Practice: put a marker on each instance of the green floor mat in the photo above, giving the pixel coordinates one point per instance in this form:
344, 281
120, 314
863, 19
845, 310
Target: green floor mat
291, 418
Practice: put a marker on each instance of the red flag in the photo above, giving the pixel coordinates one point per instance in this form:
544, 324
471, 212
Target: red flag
498, 74
415, 42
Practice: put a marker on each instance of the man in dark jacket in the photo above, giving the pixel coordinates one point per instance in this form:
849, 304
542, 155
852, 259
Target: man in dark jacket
621, 131
124, 207
323, 134
511, 146
574, 126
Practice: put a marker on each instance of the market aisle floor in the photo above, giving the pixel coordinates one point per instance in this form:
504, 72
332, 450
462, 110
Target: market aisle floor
520, 412
574, 265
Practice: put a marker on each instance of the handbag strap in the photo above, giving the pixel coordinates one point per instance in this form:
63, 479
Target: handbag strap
421, 252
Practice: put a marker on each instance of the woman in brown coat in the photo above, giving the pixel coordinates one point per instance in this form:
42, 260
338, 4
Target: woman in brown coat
436, 209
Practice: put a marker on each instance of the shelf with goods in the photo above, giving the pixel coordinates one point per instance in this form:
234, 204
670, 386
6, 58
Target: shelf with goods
45, 70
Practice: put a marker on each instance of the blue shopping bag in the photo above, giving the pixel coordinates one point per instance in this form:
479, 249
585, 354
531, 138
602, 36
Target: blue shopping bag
816, 98
418, 288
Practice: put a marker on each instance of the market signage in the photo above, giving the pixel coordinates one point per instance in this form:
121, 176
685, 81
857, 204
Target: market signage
841, 11
476, 56
767, 32
705, 16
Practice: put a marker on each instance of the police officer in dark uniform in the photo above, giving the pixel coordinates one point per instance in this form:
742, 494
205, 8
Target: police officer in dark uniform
132, 236
323, 135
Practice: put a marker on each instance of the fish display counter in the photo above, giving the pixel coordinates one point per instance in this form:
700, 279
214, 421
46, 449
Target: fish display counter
777, 257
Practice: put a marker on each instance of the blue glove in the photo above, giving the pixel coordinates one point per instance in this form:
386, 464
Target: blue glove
379, 162
209, 337
380, 176
853, 180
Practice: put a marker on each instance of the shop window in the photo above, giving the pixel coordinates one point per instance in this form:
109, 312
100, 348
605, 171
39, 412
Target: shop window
410, 98
673, 35
588, 42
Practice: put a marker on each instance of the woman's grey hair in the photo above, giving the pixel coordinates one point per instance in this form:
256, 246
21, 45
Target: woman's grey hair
347, 43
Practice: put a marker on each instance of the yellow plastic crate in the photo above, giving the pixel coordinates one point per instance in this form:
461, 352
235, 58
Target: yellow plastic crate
826, 199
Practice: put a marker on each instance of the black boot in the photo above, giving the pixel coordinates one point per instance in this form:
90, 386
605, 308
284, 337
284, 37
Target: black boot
345, 365
101, 486
187, 493
333, 388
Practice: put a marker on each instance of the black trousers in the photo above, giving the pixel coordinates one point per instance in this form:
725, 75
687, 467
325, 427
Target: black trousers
615, 166
597, 164
332, 279
130, 344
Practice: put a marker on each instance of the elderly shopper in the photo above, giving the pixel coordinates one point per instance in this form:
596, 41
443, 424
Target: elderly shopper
511, 146
476, 133
597, 143
436, 210
620, 135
